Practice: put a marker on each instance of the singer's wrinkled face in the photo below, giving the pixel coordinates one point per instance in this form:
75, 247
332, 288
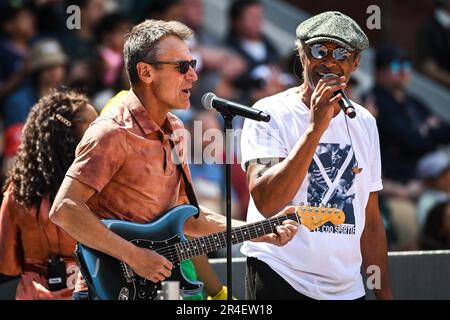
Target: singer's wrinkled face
314, 69
170, 87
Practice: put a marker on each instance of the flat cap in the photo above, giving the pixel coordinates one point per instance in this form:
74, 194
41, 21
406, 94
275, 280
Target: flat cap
333, 26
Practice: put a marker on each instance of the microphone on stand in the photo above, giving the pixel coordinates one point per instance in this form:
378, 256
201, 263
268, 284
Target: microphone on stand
210, 101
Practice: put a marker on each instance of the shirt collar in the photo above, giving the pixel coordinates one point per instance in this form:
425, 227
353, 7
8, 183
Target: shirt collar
143, 118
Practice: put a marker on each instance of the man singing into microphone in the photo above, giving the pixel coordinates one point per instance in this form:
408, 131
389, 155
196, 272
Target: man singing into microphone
311, 152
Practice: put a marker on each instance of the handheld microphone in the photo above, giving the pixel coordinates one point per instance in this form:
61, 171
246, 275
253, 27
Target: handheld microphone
210, 100
344, 102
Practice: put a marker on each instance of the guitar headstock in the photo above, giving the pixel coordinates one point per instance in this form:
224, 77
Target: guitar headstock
313, 217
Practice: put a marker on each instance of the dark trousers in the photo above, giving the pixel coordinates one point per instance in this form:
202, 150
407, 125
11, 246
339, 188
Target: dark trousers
263, 283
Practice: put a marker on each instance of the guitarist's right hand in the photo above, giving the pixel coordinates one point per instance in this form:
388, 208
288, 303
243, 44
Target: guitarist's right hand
150, 265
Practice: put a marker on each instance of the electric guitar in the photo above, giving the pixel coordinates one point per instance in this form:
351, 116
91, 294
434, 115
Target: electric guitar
111, 279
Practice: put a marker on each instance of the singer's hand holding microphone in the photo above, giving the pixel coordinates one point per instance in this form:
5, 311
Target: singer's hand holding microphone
327, 93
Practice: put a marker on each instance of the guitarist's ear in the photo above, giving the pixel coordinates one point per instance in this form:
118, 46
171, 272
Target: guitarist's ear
144, 71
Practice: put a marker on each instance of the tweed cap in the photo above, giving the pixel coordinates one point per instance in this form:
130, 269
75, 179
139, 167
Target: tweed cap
333, 26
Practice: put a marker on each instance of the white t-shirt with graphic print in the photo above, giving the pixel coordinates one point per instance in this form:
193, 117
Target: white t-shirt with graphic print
324, 263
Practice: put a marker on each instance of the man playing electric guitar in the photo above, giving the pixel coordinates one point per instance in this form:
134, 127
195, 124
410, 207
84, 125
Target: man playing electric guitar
123, 168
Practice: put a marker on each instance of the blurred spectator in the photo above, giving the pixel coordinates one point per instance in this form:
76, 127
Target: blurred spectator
193, 14
47, 71
80, 44
17, 27
434, 168
433, 44
135, 9
408, 130
111, 32
246, 36
165, 10
436, 232
51, 16
193, 17
217, 66
28, 240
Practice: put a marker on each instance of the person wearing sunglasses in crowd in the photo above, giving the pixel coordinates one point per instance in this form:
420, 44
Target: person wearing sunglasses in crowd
30, 244
409, 129
305, 154
124, 167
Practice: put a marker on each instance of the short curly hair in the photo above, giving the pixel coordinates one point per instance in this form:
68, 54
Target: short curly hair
47, 148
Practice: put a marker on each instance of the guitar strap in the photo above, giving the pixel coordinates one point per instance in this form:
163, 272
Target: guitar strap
187, 184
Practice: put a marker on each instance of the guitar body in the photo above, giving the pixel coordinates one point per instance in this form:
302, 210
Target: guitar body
111, 279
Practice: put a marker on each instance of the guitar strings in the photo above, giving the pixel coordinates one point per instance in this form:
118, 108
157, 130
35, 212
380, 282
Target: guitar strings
207, 243
170, 252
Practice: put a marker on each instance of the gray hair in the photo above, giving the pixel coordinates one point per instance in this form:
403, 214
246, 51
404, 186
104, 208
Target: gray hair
143, 40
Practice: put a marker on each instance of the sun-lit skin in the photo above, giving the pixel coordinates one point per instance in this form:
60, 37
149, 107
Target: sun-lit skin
164, 86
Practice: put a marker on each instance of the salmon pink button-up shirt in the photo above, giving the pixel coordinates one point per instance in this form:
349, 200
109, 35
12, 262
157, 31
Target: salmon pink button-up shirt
126, 157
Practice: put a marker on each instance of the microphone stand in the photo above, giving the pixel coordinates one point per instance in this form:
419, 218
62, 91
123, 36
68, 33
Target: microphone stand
228, 119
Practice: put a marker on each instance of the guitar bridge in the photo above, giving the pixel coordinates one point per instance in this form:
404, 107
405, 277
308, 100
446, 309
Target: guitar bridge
128, 273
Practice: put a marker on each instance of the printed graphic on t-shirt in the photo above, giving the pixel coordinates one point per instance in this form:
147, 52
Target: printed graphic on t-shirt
331, 181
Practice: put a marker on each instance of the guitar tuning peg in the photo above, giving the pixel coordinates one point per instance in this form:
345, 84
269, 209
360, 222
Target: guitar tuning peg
335, 206
301, 204
308, 204
328, 205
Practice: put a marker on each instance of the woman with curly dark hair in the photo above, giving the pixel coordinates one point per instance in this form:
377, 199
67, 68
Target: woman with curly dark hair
31, 245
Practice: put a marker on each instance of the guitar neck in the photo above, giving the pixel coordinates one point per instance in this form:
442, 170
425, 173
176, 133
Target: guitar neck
213, 242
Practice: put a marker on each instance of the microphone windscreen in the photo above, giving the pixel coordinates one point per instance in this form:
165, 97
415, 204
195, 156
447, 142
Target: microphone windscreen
207, 100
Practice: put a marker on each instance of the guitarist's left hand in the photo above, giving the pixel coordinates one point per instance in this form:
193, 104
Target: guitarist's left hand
284, 233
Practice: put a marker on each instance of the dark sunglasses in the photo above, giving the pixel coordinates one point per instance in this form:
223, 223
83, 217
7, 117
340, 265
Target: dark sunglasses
183, 66
320, 51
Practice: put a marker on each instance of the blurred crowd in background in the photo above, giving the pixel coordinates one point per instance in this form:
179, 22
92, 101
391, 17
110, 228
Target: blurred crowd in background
39, 52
